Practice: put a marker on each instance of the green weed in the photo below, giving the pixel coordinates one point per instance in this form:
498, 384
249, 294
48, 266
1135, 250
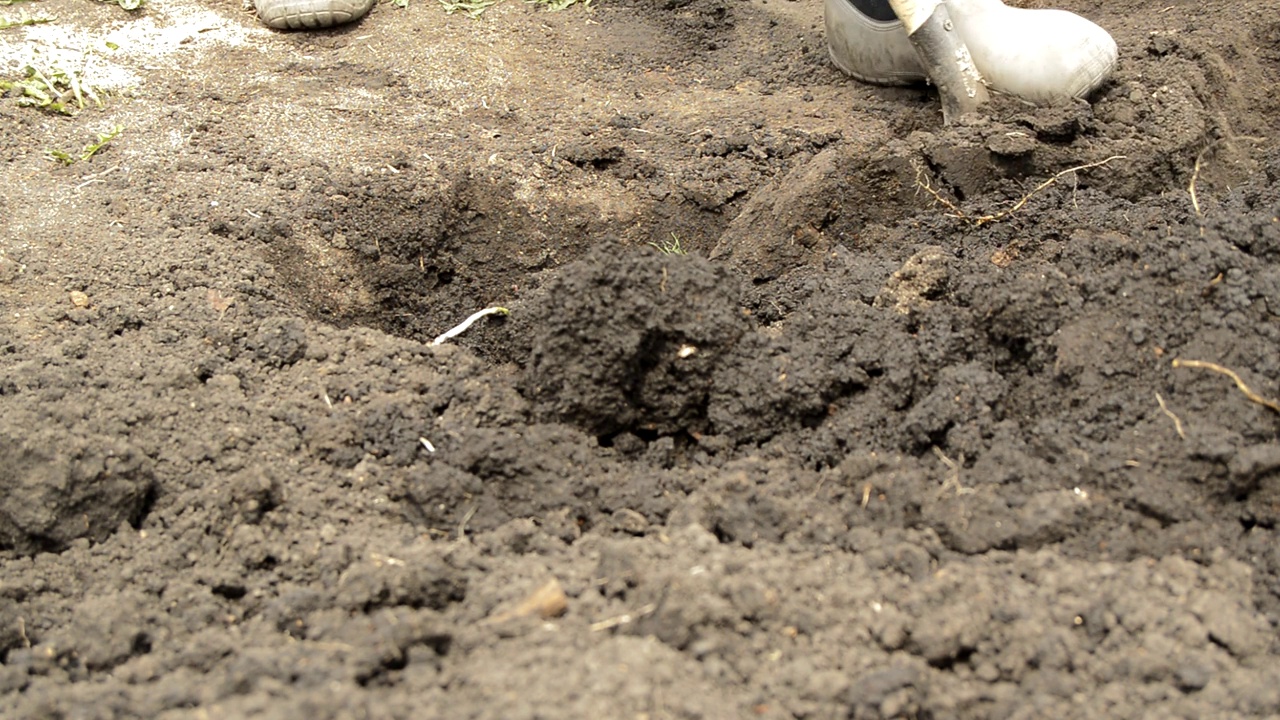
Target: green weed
670, 247
89, 150
54, 89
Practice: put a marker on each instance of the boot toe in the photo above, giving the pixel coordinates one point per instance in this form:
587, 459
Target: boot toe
1045, 57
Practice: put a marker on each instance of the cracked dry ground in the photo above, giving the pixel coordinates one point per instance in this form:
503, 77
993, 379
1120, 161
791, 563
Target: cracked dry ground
848, 457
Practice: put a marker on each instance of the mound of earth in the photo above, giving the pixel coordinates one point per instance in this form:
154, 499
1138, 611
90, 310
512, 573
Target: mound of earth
806, 406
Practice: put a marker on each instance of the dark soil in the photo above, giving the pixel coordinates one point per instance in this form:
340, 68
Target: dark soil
899, 434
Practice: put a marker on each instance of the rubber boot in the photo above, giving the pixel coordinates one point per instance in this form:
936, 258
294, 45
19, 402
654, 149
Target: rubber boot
310, 14
1041, 56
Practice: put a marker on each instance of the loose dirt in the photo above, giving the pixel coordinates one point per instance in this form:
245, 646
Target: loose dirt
853, 452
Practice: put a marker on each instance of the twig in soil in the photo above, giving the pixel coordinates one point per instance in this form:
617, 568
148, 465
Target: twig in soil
1191, 188
984, 219
1250, 394
95, 177
1195, 174
625, 619
953, 477
548, 601
462, 327
462, 524
1177, 422
922, 183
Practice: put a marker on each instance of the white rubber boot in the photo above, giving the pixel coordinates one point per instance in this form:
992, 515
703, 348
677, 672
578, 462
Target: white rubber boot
1041, 56
310, 14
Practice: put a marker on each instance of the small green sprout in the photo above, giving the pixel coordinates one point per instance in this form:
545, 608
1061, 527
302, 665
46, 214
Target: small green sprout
670, 247
103, 139
89, 150
61, 156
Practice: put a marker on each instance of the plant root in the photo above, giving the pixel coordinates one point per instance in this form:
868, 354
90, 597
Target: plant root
1177, 422
1250, 394
462, 326
922, 183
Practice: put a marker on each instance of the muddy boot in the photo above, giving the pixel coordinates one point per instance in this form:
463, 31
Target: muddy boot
1041, 56
310, 14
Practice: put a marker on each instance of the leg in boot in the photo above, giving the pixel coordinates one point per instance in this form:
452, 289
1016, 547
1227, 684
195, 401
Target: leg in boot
1040, 56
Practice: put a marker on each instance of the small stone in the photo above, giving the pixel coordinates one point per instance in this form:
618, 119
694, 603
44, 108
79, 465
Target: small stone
223, 381
1193, 676
79, 299
9, 270
630, 521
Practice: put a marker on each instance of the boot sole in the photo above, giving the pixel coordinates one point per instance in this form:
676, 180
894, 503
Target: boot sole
870, 50
310, 14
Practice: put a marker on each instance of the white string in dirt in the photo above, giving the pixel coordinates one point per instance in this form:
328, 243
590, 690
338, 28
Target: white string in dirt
462, 327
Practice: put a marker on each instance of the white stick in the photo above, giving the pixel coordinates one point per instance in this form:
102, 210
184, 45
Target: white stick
461, 328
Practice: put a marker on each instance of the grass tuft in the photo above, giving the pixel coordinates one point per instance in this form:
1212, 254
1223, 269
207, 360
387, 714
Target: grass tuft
670, 247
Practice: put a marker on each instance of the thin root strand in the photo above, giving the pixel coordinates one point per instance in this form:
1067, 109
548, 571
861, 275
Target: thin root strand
1177, 422
1248, 393
922, 183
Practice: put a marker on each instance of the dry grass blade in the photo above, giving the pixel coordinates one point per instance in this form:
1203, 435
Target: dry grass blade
1250, 394
1177, 421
